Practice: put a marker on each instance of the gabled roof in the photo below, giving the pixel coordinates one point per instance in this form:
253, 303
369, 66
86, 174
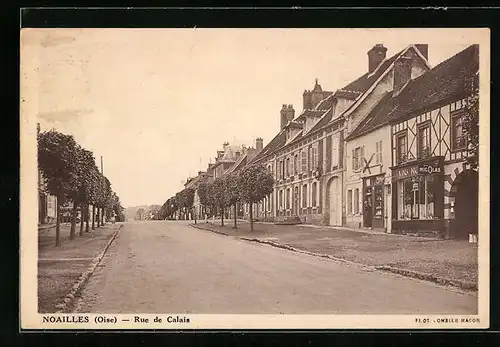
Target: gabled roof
325, 119
294, 124
363, 83
277, 142
326, 103
242, 160
368, 82
446, 80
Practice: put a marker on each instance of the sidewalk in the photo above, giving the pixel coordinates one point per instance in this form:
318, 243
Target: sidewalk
59, 268
454, 260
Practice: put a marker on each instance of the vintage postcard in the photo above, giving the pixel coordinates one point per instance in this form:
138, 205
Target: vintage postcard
254, 178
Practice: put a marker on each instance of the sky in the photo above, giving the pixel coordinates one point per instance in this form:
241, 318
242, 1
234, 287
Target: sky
157, 104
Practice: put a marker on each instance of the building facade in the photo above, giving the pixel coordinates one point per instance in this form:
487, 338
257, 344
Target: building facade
308, 157
434, 189
368, 143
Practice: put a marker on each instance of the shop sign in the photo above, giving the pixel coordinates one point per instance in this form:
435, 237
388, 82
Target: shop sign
405, 172
429, 168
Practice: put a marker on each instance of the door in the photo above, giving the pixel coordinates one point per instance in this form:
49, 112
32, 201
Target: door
378, 206
368, 201
334, 202
466, 205
295, 201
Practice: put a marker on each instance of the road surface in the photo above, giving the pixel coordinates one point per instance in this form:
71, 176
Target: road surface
169, 267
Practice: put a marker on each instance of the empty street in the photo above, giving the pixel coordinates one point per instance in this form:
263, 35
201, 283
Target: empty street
170, 267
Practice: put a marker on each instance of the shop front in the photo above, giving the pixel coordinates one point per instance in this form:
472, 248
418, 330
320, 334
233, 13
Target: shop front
418, 197
373, 202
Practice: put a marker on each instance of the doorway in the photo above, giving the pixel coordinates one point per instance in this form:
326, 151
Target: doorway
465, 191
334, 201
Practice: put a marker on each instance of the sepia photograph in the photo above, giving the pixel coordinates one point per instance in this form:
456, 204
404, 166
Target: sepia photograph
254, 178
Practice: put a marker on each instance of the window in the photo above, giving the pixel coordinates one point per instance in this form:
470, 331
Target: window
304, 160
424, 141
378, 153
458, 138
304, 195
335, 151
295, 164
416, 198
288, 198
401, 148
309, 158
356, 201
288, 172
283, 168
314, 157
314, 193
281, 199
357, 158
349, 201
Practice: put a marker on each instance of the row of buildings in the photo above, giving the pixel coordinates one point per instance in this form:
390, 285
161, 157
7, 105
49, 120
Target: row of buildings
384, 152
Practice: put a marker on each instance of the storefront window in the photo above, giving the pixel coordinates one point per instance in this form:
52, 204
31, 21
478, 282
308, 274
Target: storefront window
416, 198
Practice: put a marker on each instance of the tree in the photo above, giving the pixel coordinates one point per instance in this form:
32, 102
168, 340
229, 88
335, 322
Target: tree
218, 195
471, 121
84, 191
94, 190
57, 158
188, 199
139, 214
256, 182
201, 190
232, 186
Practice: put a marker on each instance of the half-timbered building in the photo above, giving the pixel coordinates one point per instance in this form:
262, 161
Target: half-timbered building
434, 190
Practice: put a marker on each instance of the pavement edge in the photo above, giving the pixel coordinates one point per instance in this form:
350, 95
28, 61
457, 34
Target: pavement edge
462, 285
82, 280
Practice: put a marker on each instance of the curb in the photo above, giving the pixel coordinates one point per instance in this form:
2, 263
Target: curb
463, 285
202, 228
298, 250
80, 282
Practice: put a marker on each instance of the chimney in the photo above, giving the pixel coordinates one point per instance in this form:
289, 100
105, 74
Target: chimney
424, 49
375, 56
287, 115
259, 144
402, 73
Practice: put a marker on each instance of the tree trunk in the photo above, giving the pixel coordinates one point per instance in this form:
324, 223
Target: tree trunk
222, 216
93, 217
251, 216
235, 222
194, 214
82, 211
58, 222
73, 222
87, 218
102, 216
